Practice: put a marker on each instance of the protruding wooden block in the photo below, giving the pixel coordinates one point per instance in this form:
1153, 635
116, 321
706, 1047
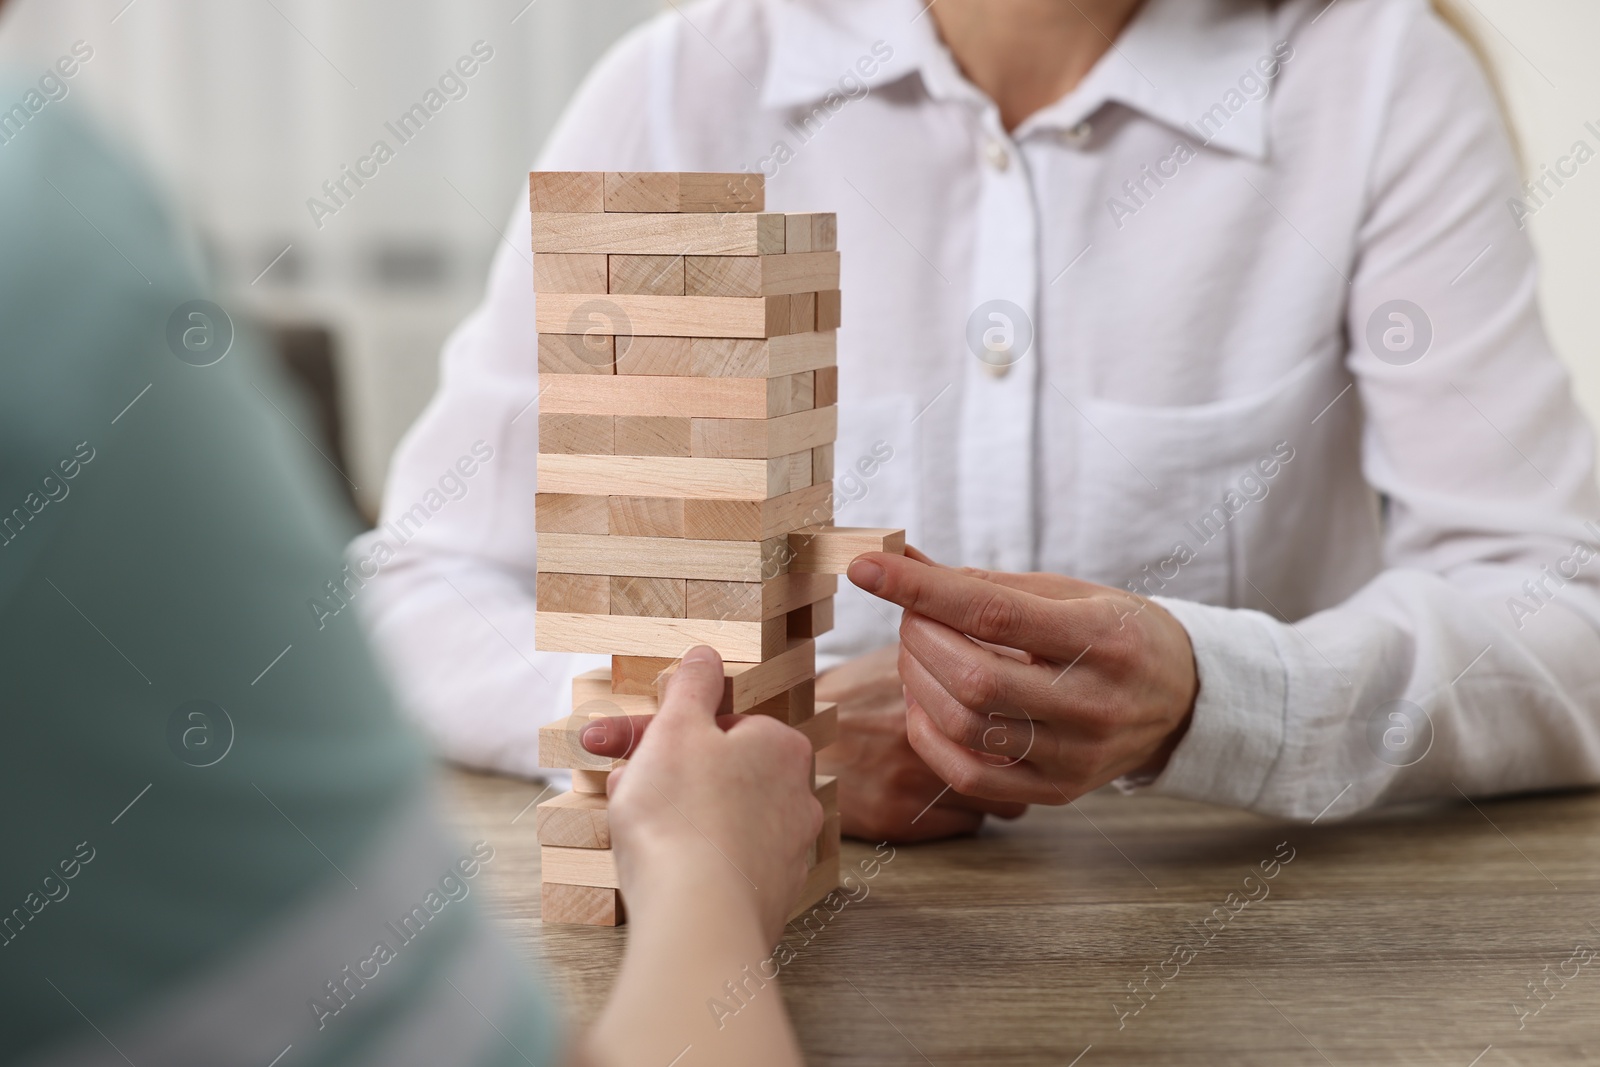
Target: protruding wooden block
580, 905
578, 866
656, 598
764, 438
651, 435
691, 478
826, 383
738, 357
645, 516
638, 636
670, 316
784, 594
570, 272
560, 746
623, 233
580, 593
562, 354
671, 357
569, 513
829, 549
663, 557
805, 272
590, 435
744, 520
574, 820
747, 684
554, 190
829, 311
646, 275
822, 462
703, 398
812, 620
637, 675
586, 781
668, 191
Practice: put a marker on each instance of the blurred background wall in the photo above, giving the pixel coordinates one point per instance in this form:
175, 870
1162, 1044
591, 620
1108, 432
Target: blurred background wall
245, 107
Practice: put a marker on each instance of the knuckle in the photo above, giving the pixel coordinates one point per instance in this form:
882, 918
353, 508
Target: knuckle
976, 686
965, 778
995, 614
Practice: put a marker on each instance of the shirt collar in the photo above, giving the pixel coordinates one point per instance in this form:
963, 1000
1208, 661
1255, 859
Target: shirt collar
1175, 62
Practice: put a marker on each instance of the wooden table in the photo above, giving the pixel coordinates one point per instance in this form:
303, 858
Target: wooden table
1409, 937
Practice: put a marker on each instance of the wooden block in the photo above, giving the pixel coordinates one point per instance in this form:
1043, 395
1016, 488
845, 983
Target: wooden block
569, 513
555, 190
829, 316
822, 729
656, 598
622, 233
826, 790
764, 438
663, 557
823, 879
644, 516
803, 272
570, 272
747, 684
731, 357
824, 231
649, 435
826, 382
802, 313
586, 781
799, 471
668, 316
794, 708
694, 479
829, 549
580, 905
784, 594
592, 689
563, 354
581, 593
669, 191
638, 636
559, 746
637, 675
667, 356
702, 398
646, 275
797, 233
592, 435
578, 866
743, 520
812, 620
822, 462
574, 820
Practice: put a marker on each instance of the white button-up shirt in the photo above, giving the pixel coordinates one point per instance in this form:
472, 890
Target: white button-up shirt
1242, 322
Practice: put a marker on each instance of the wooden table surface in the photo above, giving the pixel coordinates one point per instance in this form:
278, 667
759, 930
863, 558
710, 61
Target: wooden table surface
1456, 935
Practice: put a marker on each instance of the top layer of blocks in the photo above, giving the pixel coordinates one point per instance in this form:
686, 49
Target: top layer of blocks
645, 191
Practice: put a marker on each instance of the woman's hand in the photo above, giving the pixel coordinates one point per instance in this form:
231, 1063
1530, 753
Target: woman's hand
716, 809
886, 791
1104, 685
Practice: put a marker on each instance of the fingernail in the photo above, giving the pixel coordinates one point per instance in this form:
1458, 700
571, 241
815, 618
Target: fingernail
866, 574
594, 735
700, 654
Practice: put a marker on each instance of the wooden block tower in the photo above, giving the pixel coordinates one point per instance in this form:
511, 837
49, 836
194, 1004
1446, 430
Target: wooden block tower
688, 382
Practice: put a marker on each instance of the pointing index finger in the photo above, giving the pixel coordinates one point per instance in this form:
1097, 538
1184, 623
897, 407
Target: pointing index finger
985, 610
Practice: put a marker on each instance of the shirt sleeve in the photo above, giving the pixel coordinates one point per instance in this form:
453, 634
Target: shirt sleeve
451, 605
1470, 664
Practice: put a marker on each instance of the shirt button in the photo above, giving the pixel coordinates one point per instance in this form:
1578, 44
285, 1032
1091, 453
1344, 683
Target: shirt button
1077, 135
996, 154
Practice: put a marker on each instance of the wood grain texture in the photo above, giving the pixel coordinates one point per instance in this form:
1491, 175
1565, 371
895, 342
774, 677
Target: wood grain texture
1405, 936
754, 601
638, 636
592, 690
826, 380
580, 905
822, 464
579, 866
661, 557
643, 314
722, 398
749, 684
576, 353
570, 272
620, 233
665, 356
582, 593
650, 435
645, 275
634, 676
829, 549
587, 781
822, 729
802, 313
656, 598
560, 747
812, 620
805, 272
574, 820
830, 310
570, 513
782, 435
697, 479
554, 190
643, 516
824, 231
733, 357
671, 191
744, 520
593, 435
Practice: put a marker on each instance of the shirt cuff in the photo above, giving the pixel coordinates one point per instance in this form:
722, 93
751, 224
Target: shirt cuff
1237, 730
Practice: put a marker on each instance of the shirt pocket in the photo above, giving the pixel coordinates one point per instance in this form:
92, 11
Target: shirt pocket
1172, 501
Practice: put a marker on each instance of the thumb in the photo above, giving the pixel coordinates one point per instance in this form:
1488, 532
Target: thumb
694, 691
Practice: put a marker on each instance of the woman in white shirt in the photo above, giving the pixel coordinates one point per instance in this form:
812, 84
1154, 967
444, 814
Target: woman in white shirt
1216, 302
